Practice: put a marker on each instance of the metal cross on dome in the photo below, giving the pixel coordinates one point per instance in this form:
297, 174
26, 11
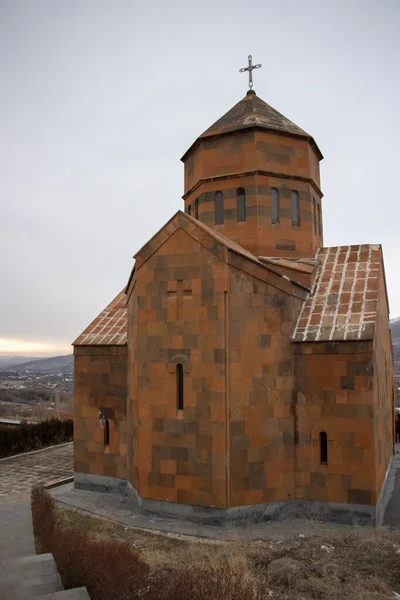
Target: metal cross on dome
250, 68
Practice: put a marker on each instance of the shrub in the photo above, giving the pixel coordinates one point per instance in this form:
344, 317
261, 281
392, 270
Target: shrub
25, 437
114, 569
108, 568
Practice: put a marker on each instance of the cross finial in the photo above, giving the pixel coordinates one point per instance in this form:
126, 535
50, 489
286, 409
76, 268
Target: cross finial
250, 68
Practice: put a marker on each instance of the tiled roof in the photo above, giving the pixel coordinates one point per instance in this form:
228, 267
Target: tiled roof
251, 111
342, 304
109, 328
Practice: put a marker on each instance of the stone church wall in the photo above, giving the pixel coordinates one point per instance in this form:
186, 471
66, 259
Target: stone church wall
335, 394
177, 316
100, 397
261, 452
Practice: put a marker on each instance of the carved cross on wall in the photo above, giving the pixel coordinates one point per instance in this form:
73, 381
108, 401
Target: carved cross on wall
181, 290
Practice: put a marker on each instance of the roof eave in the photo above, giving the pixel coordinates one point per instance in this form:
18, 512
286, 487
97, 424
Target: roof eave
207, 136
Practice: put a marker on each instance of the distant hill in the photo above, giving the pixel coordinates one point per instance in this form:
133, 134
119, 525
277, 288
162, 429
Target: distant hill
45, 366
6, 361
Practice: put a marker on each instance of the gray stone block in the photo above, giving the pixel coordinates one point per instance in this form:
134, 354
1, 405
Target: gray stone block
99, 483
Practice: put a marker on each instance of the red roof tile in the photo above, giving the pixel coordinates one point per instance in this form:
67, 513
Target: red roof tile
342, 304
109, 328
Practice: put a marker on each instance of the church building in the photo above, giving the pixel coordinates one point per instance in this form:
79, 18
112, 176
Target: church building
245, 371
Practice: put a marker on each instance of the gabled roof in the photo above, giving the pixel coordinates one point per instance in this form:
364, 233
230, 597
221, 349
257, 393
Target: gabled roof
207, 237
109, 328
343, 302
252, 111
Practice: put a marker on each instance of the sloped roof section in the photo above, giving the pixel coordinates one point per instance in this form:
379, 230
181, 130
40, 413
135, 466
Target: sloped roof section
300, 270
251, 111
343, 302
109, 328
303, 265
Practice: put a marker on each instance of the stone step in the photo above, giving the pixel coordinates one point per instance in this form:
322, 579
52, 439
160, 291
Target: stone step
35, 561
29, 577
75, 594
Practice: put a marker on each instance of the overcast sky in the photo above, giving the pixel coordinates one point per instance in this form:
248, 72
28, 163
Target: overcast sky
99, 99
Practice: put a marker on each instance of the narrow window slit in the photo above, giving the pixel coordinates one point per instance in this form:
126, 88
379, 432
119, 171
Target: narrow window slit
319, 219
315, 217
219, 208
294, 196
274, 205
107, 432
179, 385
323, 447
241, 205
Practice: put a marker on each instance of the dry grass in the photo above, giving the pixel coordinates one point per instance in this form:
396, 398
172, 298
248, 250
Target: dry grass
358, 566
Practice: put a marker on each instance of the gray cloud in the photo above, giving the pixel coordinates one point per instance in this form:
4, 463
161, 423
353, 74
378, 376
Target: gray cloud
100, 99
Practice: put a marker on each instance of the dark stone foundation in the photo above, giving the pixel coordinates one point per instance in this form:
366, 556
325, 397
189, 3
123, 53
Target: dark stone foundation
336, 512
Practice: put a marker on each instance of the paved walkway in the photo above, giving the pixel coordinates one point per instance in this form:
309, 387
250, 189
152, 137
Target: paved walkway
391, 517
117, 507
17, 476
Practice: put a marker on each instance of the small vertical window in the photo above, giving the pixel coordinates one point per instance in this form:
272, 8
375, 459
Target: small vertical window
189, 209
319, 219
241, 205
219, 208
179, 386
315, 216
294, 196
196, 208
323, 447
106, 432
274, 205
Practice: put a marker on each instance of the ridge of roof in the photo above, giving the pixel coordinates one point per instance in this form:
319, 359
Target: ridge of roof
305, 265
219, 237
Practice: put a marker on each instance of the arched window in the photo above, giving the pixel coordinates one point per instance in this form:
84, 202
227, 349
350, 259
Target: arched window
179, 386
323, 447
106, 432
219, 208
319, 219
189, 209
196, 208
315, 216
294, 197
274, 205
241, 204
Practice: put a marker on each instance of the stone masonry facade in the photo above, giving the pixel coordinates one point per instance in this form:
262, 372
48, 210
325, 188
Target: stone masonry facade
245, 370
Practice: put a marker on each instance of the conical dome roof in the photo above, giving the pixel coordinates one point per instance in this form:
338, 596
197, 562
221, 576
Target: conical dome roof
253, 113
